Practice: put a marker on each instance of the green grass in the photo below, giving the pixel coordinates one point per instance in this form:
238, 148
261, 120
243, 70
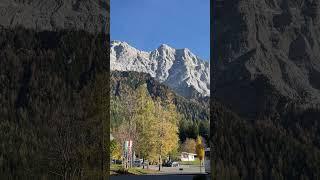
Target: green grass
137, 171
117, 169
114, 169
195, 162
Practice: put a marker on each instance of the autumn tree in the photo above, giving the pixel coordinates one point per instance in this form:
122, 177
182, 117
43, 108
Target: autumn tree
189, 146
200, 150
167, 129
115, 149
151, 124
145, 123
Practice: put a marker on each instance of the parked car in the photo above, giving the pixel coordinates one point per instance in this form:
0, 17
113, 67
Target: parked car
146, 162
167, 164
171, 164
116, 161
175, 164
137, 163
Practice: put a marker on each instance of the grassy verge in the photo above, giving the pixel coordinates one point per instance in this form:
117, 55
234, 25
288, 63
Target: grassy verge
114, 169
195, 162
138, 171
117, 169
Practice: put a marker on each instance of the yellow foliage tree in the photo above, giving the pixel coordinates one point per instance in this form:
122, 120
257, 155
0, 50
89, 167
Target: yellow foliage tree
189, 146
145, 124
200, 150
115, 150
167, 129
152, 126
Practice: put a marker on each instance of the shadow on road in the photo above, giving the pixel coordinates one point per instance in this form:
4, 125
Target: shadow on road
162, 177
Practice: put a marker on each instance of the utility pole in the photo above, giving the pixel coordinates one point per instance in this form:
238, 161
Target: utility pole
161, 135
160, 147
160, 160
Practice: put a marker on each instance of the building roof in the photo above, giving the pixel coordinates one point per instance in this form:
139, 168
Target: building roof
188, 153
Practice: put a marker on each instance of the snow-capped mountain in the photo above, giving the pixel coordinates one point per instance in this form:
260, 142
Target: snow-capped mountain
180, 69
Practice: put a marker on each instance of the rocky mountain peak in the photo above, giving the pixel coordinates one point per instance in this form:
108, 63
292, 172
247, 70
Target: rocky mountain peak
164, 47
180, 69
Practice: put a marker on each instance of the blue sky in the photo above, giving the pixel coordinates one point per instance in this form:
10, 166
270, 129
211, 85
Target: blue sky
145, 24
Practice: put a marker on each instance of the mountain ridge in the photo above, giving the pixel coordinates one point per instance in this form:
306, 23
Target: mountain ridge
180, 69
54, 15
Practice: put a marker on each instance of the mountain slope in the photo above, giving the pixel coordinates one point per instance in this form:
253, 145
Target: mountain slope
124, 83
53, 71
50, 103
181, 70
52, 15
267, 72
268, 53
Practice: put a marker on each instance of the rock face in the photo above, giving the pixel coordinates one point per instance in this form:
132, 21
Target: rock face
89, 15
180, 69
268, 54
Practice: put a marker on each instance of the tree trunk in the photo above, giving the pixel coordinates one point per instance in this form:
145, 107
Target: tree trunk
159, 162
143, 163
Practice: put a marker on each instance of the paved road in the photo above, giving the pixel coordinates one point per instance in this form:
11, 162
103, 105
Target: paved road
183, 169
188, 172
162, 177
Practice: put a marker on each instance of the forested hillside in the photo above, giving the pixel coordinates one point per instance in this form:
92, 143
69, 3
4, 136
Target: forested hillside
53, 99
266, 71
269, 148
195, 114
124, 83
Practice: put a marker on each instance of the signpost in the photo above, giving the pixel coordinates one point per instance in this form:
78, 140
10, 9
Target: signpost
127, 153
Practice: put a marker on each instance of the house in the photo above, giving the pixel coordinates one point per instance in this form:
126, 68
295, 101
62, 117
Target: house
185, 156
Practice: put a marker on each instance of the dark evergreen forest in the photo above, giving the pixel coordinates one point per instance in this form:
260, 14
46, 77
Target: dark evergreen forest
53, 99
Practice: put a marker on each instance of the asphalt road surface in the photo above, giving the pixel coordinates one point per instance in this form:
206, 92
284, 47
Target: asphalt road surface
162, 177
182, 169
188, 172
